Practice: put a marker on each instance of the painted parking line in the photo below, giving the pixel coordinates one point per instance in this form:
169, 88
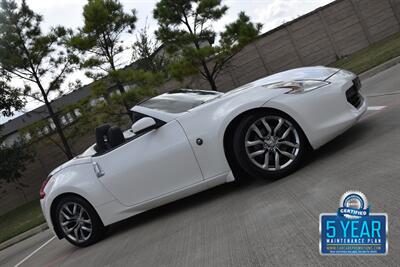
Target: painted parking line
36, 250
376, 107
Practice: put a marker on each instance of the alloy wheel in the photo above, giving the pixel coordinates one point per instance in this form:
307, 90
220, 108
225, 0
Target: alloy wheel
75, 222
272, 143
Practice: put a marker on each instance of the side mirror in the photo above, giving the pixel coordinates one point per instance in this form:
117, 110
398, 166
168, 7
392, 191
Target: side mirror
143, 124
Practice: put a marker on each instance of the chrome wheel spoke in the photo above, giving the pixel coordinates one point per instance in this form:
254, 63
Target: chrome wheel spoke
76, 233
80, 213
65, 216
69, 230
277, 163
286, 133
266, 125
87, 221
266, 160
74, 209
257, 131
289, 144
253, 143
255, 154
68, 210
287, 154
278, 126
81, 232
86, 229
67, 222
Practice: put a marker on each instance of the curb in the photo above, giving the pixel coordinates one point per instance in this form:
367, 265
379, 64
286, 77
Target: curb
23, 236
375, 70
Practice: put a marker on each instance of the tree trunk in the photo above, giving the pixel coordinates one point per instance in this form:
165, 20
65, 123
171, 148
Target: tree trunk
60, 132
212, 84
122, 91
209, 77
207, 73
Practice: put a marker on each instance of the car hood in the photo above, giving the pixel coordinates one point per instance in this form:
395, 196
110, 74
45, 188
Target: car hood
306, 73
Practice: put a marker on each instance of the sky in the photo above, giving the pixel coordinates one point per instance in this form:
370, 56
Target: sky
68, 13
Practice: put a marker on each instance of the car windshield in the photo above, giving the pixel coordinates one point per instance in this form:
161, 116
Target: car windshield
178, 101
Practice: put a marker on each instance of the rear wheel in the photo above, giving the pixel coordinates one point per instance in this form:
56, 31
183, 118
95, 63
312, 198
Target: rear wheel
269, 144
78, 221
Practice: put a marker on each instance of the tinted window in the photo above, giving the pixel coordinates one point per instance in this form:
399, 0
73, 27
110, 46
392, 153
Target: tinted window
179, 100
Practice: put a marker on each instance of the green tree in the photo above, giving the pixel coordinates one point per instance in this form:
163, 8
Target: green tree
13, 158
10, 98
186, 28
100, 40
13, 161
42, 61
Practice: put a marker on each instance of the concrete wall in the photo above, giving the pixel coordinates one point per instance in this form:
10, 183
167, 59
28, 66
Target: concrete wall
318, 38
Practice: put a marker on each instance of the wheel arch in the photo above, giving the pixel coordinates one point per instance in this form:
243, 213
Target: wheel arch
229, 131
53, 208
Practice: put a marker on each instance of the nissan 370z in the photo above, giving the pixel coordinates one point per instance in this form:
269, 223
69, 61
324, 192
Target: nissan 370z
186, 141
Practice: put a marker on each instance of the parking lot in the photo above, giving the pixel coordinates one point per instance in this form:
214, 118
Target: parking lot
261, 223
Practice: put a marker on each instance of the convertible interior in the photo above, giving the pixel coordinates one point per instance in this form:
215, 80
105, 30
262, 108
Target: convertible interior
108, 137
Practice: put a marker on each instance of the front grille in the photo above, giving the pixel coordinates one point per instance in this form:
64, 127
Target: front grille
352, 94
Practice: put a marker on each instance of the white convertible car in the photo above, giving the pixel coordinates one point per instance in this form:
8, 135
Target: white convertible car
187, 141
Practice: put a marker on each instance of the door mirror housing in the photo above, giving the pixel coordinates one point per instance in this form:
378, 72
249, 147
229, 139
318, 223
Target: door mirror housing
143, 124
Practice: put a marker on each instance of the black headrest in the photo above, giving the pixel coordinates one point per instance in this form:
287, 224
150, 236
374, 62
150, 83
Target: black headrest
101, 132
115, 136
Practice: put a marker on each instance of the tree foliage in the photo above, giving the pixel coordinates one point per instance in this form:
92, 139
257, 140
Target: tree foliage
13, 160
186, 28
40, 60
10, 98
100, 40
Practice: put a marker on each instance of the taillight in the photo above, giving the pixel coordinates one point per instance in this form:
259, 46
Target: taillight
42, 194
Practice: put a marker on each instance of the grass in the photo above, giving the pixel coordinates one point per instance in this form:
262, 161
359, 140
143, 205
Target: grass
371, 56
20, 220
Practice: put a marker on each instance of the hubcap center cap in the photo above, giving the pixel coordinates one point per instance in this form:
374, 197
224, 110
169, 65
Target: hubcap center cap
270, 142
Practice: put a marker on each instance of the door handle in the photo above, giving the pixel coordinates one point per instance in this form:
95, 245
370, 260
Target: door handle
98, 170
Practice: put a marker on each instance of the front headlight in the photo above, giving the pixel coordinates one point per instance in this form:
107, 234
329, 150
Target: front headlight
299, 86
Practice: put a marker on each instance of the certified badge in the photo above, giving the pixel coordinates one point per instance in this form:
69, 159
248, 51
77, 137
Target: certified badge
353, 229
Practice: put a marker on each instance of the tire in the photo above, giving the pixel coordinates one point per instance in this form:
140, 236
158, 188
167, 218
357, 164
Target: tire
269, 132
75, 213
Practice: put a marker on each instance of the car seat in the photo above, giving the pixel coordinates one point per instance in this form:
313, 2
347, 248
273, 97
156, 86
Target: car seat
115, 136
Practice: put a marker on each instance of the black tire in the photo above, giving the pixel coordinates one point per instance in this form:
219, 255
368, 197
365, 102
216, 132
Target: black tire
97, 227
242, 154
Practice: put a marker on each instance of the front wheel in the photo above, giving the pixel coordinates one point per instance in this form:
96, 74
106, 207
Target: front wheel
78, 221
269, 144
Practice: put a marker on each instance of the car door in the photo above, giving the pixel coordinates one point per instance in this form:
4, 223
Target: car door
151, 165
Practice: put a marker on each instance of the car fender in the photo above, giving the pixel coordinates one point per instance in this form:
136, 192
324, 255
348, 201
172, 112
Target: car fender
76, 179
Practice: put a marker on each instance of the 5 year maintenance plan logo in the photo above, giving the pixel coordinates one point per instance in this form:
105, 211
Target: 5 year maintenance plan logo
353, 230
